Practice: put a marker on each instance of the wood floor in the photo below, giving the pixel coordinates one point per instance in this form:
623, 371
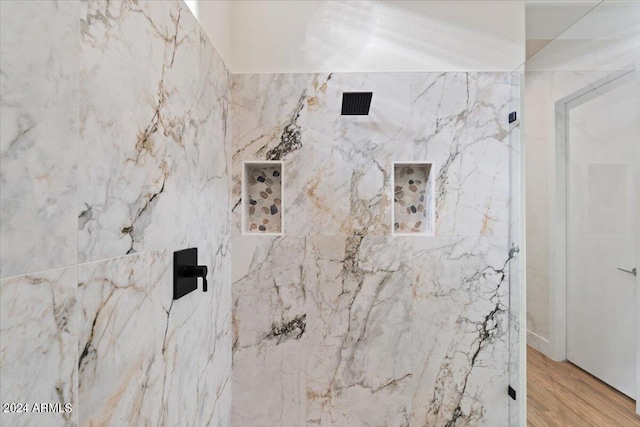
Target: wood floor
561, 394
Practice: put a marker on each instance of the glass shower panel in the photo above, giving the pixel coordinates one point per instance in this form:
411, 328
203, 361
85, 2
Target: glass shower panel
517, 345
580, 133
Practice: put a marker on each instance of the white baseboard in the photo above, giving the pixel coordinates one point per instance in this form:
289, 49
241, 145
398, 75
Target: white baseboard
539, 343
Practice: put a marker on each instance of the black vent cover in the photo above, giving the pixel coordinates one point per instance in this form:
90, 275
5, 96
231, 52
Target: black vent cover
356, 103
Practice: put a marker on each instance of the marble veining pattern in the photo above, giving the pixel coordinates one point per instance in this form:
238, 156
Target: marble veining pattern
38, 337
390, 330
342, 323
454, 121
360, 331
137, 363
120, 149
268, 116
269, 328
460, 334
214, 146
349, 179
459, 125
39, 136
141, 145
359, 327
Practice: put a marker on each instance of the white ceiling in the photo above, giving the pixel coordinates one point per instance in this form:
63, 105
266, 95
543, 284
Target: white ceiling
546, 20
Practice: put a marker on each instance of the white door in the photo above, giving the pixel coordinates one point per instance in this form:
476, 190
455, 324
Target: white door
602, 221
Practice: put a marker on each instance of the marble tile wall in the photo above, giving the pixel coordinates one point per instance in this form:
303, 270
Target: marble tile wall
39, 139
359, 324
272, 131
122, 153
115, 152
145, 359
269, 331
345, 323
460, 338
39, 344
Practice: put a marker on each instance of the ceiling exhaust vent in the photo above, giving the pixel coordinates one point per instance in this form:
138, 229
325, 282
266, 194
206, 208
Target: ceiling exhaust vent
356, 103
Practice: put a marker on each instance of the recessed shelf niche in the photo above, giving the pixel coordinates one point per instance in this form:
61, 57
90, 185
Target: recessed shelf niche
262, 197
413, 199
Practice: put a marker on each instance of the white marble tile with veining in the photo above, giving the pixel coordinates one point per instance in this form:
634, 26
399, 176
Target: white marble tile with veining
198, 346
218, 396
359, 331
459, 123
38, 337
214, 146
139, 120
39, 47
145, 358
350, 174
268, 122
375, 350
123, 318
269, 319
154, 169
455, 120
460, 332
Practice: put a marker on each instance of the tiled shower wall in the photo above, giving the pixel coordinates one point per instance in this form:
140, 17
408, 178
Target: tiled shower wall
339, 323
115, 151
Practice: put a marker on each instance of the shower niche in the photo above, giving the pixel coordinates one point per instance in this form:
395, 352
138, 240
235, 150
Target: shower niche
413, 199
262, 198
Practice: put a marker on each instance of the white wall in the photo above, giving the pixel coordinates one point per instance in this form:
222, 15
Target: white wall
315, 36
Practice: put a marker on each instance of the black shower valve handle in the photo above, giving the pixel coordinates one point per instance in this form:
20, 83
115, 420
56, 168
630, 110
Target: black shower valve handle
196, 271
186, 272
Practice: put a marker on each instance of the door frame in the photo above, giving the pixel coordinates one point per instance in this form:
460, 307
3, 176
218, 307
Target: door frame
558, 228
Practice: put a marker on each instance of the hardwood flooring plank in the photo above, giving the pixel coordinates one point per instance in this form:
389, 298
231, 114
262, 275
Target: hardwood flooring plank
562, 395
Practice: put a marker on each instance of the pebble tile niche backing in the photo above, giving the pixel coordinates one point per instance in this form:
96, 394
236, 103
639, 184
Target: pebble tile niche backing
264, 198
412, 198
